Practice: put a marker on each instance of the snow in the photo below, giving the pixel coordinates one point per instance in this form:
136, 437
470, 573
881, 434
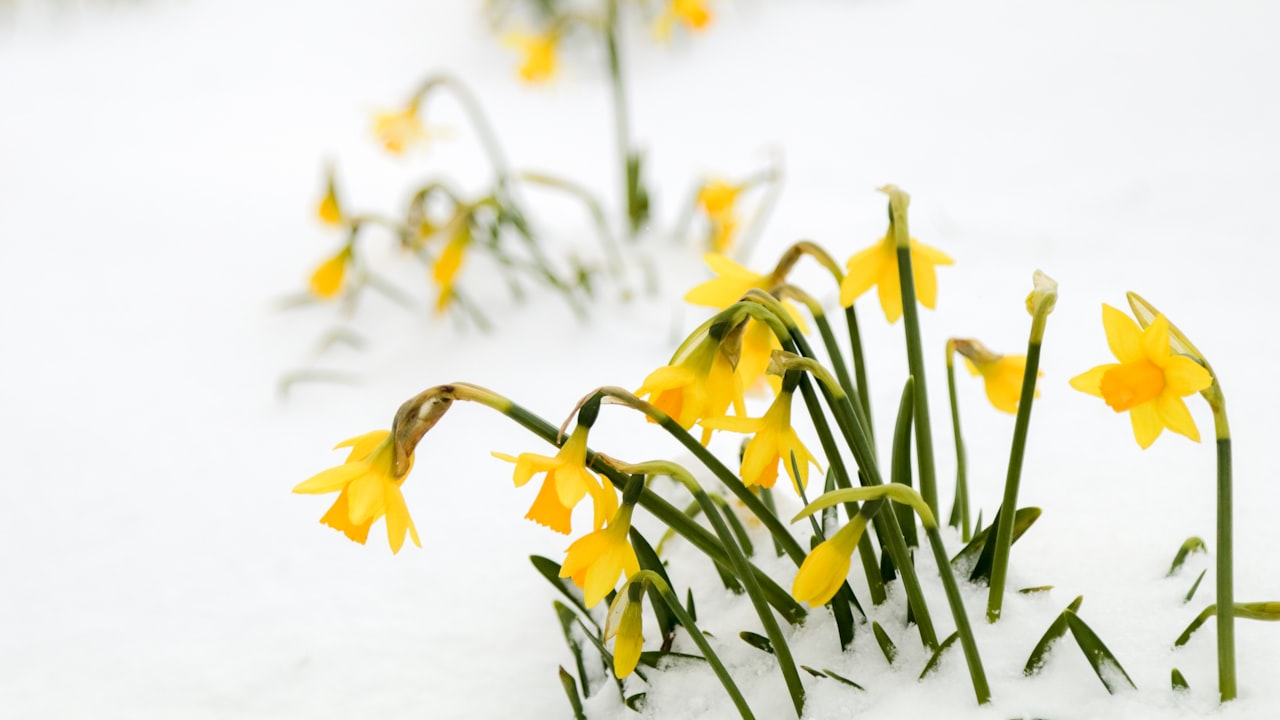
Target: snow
159, 163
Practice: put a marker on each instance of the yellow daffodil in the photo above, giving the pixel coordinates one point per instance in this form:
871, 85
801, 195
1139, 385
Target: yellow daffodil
694, 14
826, 567
1149, 381
445, 269
329, 210
1001, 374
326, 281
539, 64
400, 129
595, 560
699, 384
625, 622
718, 199
878, 266
774, 442
368, 488
567, 481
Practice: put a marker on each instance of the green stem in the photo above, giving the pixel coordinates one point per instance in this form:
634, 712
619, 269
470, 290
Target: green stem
1009, 504
620, 116
673, 603
976, 672
860, 370
1225, 571
960, 509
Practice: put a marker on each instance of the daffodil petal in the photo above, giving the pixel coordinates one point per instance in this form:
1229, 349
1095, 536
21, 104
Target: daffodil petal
929, 254
1090, 382
926, 280
1155, 341
1147, 424
1183, 376
398, 521
365, 495
865, 269
1124, 337
1175, 415
890, 291
331, 480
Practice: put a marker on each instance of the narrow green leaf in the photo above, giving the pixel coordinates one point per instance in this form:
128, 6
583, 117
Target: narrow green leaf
756, 641
886, 644
1057, 629
936, 660
811, 671
651, 658
982, 548
1178, 681
571, 691
568, 620
636, 702
829, 515
1194, 586
735, 525
550, 569
840, 678
1105, 664
1036, 589
1265, 611
649, 560
900, 471
1192, 545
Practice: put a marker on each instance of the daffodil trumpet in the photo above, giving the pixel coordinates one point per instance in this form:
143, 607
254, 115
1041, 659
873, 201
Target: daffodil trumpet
1040, 303
873, 499
742, 570
1224, 570
624, 620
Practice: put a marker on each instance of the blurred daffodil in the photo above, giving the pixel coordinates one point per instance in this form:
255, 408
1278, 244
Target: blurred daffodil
775, 441
368, 488
1001, 374
539, 50
878, 266
693, 14
825, 568
326, 281
399, 130
1149, 381
595, 560
567, 481
718, 200
330, 210
444, 271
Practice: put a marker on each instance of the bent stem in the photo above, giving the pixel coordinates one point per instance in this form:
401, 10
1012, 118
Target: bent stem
960, 508
741, 568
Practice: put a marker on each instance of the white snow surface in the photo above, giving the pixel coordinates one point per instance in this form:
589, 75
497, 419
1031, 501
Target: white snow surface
159, 165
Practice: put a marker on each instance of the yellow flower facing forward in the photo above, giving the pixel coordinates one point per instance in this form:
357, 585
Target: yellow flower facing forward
826, 567
595, 560
775, 441
1001, 374
567, 481
1149, 381
399, 130
539, 50
693, 14
625, 622
878, 266
699, 384
326, 281
368, 489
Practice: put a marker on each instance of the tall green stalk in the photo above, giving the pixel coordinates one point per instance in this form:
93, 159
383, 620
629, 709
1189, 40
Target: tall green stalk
1225, 571
960, 508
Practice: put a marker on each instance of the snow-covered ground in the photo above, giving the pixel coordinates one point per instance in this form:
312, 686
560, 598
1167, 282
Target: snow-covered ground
159, 163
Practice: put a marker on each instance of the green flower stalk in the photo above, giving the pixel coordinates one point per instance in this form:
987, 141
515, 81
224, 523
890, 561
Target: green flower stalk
959, 508
1040, 303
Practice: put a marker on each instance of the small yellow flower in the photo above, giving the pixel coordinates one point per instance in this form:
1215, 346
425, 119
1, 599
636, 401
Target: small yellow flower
445, 269
567, 481
1001, 374
700, 383
329, 210
878, 266
368, 488
625, 622
400, 129
694, 14
595, 560
1149, 381
326, 281
539, 64
774, 442
826, 567
718, 199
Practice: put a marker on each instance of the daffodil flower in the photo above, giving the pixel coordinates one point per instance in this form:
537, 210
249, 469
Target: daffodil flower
694, 14
539, 64
1001, 374
368, 488
625, 622
445, 269
326, 281
595, 560
567, 481
399, 129
330, 211
775, 441
878, 266
826, 567
699, 384
1149, 381
718, 199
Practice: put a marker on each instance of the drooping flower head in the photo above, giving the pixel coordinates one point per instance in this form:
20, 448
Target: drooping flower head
566, 483
1001, 374
445, 269
330, 210
539, 51
700, 382
326, 281
595, 560
1150, 380
693, 14
826, 567
626, 622
399, 130
878, 266
774, 442
718, 200
368, 483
